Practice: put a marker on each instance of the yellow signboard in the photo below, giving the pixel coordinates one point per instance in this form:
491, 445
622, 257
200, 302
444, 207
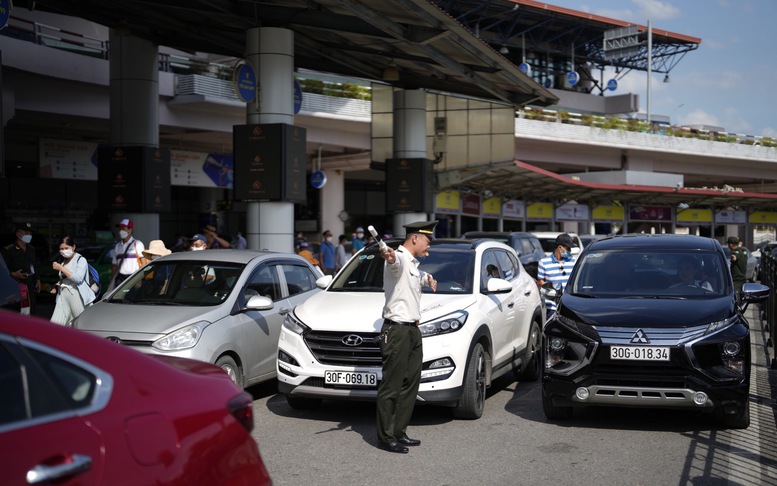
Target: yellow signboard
763, 217
608, 213
692, 215
539, 211
492, 207
447, 202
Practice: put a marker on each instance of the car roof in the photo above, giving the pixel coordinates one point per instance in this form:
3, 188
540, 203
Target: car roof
656, 242
496, 234
227, 255
458, 243
551, 234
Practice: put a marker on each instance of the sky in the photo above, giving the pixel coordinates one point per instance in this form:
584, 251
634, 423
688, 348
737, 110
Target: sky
730, 81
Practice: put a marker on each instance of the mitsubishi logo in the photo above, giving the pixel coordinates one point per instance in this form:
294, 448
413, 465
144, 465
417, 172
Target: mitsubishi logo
352, 340
640, 337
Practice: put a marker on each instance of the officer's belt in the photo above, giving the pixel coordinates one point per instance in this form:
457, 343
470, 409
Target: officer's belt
398, 323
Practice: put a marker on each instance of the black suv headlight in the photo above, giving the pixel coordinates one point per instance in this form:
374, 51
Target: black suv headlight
450, 323
567, 349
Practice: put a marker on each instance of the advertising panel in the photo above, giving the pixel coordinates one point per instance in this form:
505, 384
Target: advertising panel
447, 202
608, 213
572, 212
693, 215
638, 212
539, 211
513, 209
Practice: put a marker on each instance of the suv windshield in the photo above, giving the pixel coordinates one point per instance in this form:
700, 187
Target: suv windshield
179, 283
643, 274
451, 265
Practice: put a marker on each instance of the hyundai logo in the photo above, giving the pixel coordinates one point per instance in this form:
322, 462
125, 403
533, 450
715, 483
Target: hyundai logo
640, 337
352, 340
114, 339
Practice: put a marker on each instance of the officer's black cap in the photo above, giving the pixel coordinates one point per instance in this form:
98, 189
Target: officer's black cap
24, 227
732, 240
425, 228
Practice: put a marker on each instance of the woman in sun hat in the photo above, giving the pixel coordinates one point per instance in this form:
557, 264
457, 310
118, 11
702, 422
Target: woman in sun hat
156, 249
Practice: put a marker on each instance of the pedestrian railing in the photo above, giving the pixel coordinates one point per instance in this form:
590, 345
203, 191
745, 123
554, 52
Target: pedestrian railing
768, 309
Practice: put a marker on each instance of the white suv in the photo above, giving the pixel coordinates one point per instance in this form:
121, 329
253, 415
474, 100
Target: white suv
475, 328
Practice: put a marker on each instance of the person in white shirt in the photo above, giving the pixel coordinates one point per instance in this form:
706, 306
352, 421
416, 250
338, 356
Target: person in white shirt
400, 338
341, 255
128, 254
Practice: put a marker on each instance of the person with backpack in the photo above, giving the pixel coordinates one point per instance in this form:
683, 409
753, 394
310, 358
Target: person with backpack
73, 290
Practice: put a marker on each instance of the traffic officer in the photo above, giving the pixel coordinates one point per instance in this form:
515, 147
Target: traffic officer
20, 259
738, 263
400, 338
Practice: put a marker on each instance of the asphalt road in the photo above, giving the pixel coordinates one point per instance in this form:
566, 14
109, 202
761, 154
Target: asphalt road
513, 443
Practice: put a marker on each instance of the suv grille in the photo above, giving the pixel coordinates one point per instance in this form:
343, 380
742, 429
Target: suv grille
329, 348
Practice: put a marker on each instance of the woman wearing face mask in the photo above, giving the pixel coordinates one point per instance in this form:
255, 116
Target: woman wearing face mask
73, 291
327, 253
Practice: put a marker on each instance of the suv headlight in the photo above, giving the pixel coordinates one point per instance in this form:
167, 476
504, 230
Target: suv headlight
294, 325
184, 338
567, 348
718, 325
450, 323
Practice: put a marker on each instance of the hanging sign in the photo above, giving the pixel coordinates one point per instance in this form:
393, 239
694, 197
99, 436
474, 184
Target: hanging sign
612, 84
318, 179
525, 68
245, 82
573, 78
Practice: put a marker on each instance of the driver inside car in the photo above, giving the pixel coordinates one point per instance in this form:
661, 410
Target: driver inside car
687, 270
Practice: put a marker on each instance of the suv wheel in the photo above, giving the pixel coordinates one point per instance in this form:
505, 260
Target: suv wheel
302, 403
473, 399
231, 368
738, 420
554, 412
533, 368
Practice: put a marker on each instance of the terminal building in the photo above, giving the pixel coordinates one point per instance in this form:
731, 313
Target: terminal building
281, 117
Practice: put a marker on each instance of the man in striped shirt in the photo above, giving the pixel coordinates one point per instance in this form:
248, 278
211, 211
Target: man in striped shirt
556, 267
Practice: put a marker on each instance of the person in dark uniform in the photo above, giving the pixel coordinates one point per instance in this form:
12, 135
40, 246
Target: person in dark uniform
20, 257
400, 338
738, 263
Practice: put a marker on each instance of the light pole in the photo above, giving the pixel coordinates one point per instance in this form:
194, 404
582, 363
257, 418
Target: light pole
649, 66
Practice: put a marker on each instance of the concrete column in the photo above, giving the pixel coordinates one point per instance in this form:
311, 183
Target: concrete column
270, 50
409, 140
134, 91
134, 109
333, 202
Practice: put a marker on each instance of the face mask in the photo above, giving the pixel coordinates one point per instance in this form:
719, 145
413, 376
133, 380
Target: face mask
27, 238
329, 239
66, 253
123, 234
197, 248
566, 255
360, 235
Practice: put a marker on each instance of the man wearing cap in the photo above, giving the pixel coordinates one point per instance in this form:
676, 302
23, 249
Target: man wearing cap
555, 268
400, 338
357, 242
20, 258
214, 241
128, 253
307, 254
738, 263
198, 242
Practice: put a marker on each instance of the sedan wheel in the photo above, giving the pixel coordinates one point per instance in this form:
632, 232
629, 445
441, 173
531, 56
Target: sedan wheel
473, 400
230, 367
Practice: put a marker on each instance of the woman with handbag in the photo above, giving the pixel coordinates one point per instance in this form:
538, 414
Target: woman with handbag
73, 291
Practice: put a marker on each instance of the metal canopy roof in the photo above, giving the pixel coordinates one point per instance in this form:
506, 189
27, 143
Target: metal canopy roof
523, 181
550, 30
347, 37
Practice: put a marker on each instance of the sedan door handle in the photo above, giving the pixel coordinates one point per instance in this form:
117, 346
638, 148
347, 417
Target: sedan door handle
284, 311
511, 304
43, 474
527, 293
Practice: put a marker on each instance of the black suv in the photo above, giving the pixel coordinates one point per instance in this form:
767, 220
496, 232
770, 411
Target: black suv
526, 245
650, 321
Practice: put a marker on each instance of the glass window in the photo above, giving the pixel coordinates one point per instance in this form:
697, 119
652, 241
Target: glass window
264, 282
299, 278
508, 265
